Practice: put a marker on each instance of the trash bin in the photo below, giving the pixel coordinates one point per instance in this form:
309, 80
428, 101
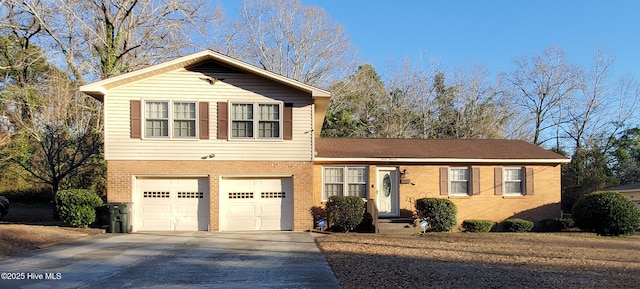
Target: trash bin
119, 217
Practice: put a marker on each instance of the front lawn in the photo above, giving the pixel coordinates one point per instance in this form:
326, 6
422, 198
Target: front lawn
483, 260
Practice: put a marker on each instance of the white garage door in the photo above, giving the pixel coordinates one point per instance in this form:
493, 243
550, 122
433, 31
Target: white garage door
179, 204
256, 204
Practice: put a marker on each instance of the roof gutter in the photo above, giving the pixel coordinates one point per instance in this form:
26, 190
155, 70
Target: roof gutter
445, 160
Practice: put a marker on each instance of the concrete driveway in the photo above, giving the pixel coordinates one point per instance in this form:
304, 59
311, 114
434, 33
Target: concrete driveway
174, 260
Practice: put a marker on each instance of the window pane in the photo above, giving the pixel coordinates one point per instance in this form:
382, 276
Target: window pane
459, 174
333, 175
459, 188
268, 120
157, 110
356, 175
332, 190
513, 181
184, 110
156, 128
357, 190
267, 129
269, 111
184, 128
513, 174
242, 129
513, 188
242, 111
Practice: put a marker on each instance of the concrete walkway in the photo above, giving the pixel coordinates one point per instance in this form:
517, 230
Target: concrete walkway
174, 260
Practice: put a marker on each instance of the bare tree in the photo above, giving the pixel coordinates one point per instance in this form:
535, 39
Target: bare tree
288, 38
415, 83
55, 131
586, 112
540, 85
63, 135
483, 111
103, 38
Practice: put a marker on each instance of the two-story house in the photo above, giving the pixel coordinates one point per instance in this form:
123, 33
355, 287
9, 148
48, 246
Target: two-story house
208, 142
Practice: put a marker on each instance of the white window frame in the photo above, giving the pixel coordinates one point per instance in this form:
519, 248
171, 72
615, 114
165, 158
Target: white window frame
256, 121
345, 181
467, 181
170, 119
505, 192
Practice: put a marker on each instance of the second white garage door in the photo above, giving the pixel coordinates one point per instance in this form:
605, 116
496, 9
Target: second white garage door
256, 204
173, 204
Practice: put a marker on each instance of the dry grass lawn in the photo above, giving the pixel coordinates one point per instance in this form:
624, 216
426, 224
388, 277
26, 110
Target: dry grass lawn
483, 260
18, 238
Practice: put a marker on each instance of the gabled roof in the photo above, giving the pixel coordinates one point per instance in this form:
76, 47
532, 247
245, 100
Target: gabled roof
434, 150
99, 89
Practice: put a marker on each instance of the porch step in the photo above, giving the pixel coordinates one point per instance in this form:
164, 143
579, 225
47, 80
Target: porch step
396, 226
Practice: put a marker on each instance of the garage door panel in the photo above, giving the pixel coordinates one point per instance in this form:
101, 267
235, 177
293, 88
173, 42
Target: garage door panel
180, 204
240, 209
271, 210
242, 224
160, 209
155, 224
189, 210
256, 204
270, 223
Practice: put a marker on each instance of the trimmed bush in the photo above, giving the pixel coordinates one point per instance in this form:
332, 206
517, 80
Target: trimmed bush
345, 212
477, 226
606, 213
517, 225
557, 224
77, 207
440, 213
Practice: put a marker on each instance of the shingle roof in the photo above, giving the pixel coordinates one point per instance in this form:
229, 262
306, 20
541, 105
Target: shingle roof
491, 149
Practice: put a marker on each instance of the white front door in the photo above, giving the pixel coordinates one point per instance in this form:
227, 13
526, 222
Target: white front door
387, 192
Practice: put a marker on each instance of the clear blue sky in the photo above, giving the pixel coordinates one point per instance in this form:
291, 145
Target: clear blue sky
489, 32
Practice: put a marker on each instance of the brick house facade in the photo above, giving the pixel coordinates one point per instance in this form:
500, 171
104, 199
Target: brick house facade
207, 142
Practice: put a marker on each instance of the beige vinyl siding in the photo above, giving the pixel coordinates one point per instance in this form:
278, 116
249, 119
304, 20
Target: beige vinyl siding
187, 85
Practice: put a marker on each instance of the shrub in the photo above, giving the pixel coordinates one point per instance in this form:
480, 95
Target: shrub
345, 212
440, 213
517, 225
606, 213
29, 196
480, 226
77, 207
557, 224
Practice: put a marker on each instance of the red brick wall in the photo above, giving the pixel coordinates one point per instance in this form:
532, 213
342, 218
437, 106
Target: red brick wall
121, 177
424, 182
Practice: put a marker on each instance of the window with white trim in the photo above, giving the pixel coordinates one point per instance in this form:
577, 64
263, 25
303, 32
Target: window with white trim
344, 181
168, 119
256, 120
242, 120
512, 181
459, 181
